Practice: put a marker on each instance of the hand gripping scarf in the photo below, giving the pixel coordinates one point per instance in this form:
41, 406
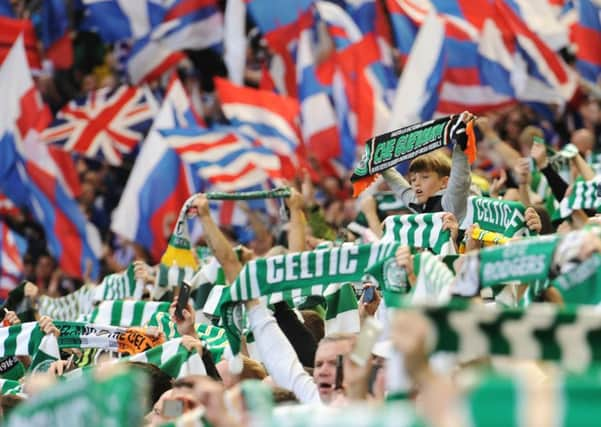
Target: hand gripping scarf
392, 148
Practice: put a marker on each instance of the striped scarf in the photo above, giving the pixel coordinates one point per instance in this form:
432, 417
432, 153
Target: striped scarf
539, 332
304, 273
118, 286
126, 313
69, 307
499, 216
110, 398
584, 195
419, 231
392, 148
173, 359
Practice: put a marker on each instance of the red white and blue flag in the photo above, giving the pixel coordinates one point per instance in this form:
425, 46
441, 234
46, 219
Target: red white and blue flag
38, 176
160, 182
12, 249
271, 119
107, 124
223, 158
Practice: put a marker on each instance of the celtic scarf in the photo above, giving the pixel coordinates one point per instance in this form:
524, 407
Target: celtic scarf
342, 310
126, 313
173, 359
581, 284
10, 387
540, 332
419, 231
98, 399
584, 195
69, 307
392, 148
499, 216
306, 273
117, 286
523, 261
432, 286
212, 337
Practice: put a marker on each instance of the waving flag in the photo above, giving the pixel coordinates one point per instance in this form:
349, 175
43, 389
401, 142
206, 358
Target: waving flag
223, 158
30, 175
11, 28
159, 30
282, 23
12, 249
269, 118
160, 182
7, 207
55, 33
586, 34
106, 124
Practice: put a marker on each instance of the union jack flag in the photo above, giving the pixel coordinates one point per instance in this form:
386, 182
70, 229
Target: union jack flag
106, 124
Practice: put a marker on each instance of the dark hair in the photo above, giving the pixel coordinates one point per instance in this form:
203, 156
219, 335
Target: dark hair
8, 402
314, 323
545, 220
160, 382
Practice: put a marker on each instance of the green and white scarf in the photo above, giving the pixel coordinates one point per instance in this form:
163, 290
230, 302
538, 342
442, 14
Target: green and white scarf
117, 286
126, 313
115, 399
539, 332
392, 148
71, 306
433, 283
500, 216
419, 231
581, 284
307, 273
10, 387
173, 359
584, 195
342, 310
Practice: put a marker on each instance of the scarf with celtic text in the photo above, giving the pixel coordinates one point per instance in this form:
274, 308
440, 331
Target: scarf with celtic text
500, 216
307, 273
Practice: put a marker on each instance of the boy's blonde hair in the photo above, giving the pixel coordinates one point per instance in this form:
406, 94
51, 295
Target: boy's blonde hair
437, 162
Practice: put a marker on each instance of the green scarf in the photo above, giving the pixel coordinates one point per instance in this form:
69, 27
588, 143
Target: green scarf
307, 273
113, 399
582, 284
584, 195
392, 148
539, 332
419, 231
499, 216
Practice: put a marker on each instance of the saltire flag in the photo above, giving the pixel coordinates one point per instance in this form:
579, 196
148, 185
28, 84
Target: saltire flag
223, 158
54, 29
281, 24
269, 118
160, 182
11, 28
31, 175
12, 248
106, 124
586, 35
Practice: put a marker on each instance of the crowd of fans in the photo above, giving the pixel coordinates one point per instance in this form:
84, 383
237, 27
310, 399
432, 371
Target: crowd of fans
298, 362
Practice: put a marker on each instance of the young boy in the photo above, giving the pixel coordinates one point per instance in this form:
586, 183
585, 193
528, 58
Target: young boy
436, 184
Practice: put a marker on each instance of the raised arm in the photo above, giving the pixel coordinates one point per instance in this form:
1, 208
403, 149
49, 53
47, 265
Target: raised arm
221, 248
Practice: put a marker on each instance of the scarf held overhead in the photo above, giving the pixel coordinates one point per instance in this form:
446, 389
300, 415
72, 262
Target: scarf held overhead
392, 148
309, 271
